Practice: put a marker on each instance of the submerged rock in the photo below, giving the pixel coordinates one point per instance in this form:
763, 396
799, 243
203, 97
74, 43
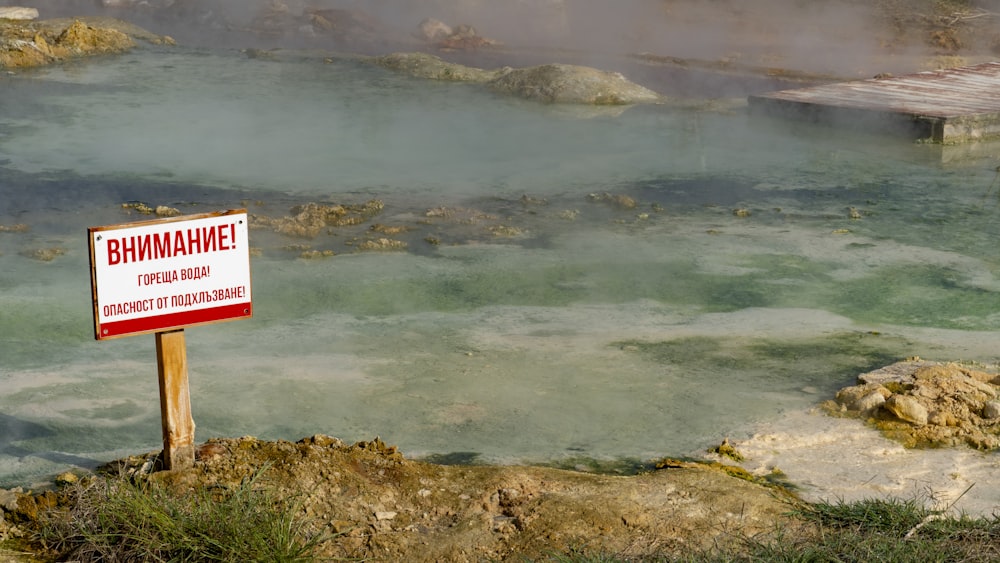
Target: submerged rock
381, 244
423, 65
550, 83
572, 84
44, 254
620, 201
307, 221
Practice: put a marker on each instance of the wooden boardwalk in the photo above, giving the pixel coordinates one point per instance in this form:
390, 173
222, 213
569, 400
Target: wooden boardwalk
950, 106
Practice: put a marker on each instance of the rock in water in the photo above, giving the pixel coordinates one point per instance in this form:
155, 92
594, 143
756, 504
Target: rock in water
422, 65
434, 30
18, 13
927, 404
870, 402
572, 84
550, 83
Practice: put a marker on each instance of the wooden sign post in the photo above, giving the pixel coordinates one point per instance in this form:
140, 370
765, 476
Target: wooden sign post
164, 275
175, 400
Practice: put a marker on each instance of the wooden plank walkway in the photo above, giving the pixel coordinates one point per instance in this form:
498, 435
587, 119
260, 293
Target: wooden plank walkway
944, 106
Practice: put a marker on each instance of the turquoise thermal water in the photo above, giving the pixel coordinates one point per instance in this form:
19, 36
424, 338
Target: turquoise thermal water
553, 327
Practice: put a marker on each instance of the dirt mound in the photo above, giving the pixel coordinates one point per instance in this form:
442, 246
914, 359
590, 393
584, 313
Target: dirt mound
383, 506
376, 505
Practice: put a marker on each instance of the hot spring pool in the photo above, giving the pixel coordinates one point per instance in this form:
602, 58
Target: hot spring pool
534, 315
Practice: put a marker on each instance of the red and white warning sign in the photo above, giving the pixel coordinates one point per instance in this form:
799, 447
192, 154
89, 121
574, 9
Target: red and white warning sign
166, 274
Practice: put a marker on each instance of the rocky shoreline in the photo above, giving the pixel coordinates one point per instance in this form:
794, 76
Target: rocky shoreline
26, 44
927, 404
374, 504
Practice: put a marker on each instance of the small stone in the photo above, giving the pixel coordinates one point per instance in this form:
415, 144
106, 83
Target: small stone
382, 244
139, 207
209, 450
850, 397
869, 402
385, 515
8, 499
164, 211
322, 440
907, 409
342, 526
147, 467
67, 478
991, 410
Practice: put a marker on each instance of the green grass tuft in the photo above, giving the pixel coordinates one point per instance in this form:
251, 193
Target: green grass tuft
884, 530
119, 520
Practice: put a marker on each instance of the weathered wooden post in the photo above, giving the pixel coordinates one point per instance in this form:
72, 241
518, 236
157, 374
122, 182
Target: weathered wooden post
175, 400
162, 276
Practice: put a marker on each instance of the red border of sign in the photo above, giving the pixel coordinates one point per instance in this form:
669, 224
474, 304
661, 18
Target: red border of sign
162, 323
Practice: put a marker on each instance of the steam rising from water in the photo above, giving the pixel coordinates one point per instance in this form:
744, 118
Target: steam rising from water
594, 331
830, 37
